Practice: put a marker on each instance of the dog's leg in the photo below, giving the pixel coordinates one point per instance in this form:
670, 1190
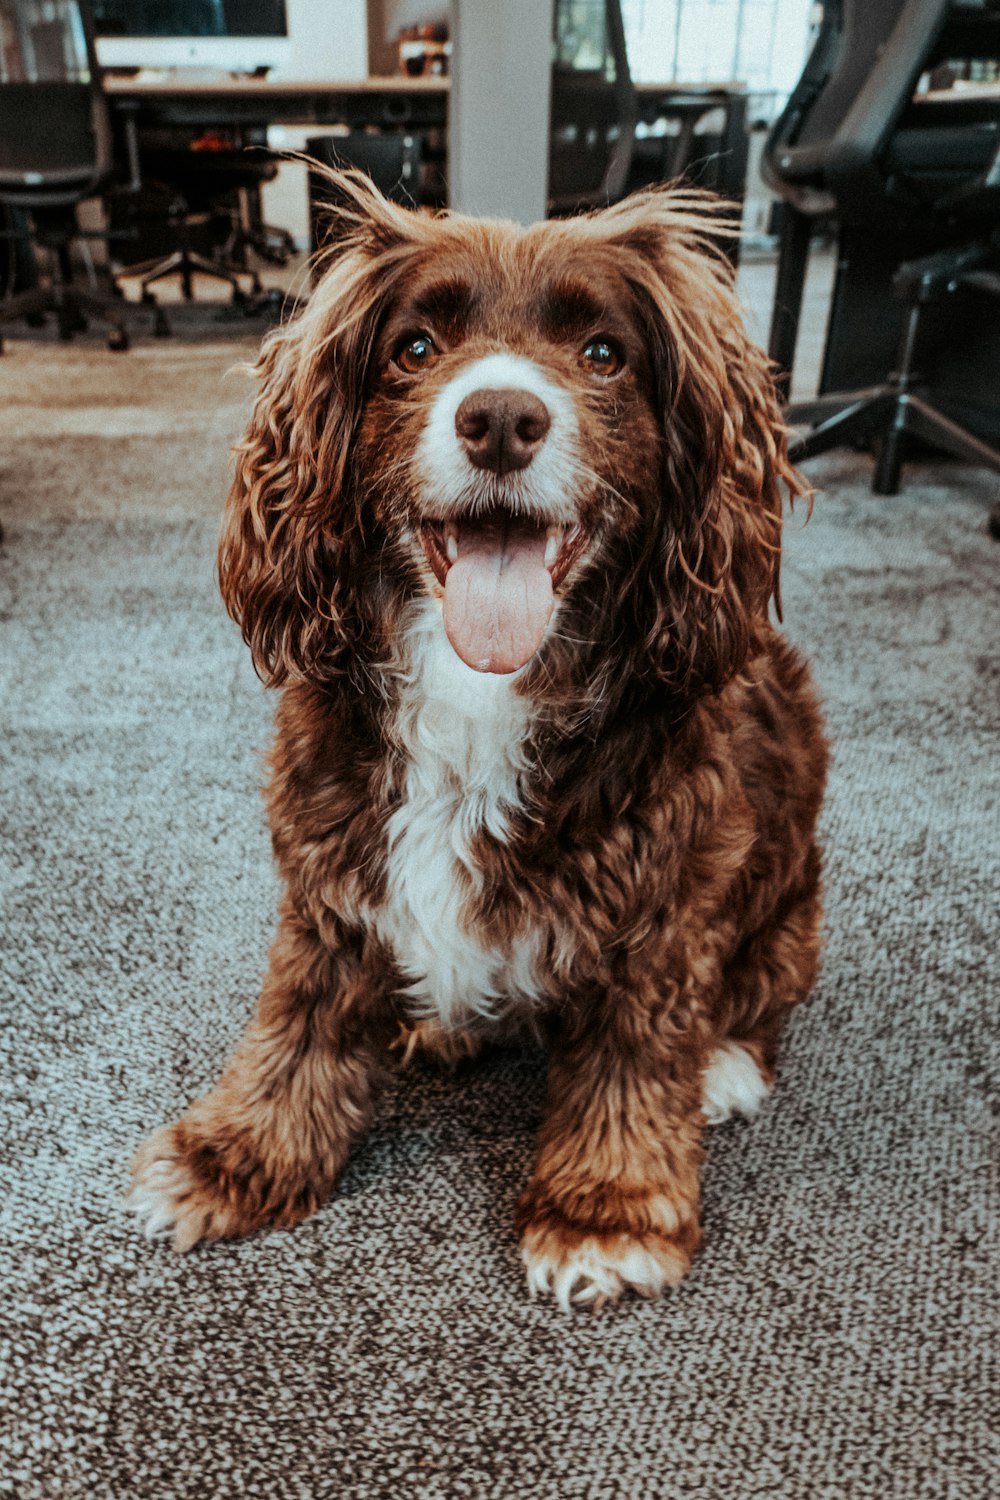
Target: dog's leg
772, 971
267, 1144
614, 1199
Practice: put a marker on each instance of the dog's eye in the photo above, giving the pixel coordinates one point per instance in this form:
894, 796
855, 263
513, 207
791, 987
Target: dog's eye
601, 357
417, 354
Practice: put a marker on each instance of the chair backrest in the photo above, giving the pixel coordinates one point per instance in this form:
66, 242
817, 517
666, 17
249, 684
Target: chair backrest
55, 137
904, 176
593, 106
828, 145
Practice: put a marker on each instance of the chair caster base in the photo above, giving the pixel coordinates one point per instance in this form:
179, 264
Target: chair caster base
71, 321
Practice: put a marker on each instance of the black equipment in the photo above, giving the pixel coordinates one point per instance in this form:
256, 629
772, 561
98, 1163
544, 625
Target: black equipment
915, 187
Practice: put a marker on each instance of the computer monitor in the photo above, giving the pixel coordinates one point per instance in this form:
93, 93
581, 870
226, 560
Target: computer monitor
234, 36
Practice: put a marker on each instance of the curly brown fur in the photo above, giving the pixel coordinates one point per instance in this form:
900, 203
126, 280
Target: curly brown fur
615, 839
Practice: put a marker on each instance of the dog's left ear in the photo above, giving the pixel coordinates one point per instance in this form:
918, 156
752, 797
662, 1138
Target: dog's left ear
711, 558
290, 539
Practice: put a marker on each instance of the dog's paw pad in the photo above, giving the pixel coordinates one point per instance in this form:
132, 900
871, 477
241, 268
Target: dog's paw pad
733, 1084
598, 1268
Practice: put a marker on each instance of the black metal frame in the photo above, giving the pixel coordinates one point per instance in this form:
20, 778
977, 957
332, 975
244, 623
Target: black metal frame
846, 172
886, 414
247, 231
582, 95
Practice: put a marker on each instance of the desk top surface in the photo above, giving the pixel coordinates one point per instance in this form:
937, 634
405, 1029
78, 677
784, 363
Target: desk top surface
960, 92
277, 88
268, 88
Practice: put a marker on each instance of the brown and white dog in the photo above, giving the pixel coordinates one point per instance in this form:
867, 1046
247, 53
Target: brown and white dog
506, 525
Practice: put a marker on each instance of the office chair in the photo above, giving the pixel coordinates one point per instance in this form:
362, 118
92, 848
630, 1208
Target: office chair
248, 230
211, 189
850, 143
55, 151
593, 108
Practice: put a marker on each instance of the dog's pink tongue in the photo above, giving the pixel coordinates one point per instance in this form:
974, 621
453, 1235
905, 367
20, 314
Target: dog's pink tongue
498, 595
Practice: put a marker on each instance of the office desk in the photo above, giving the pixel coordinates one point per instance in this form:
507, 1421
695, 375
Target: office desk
228, 102
658, 101
961, 90
397, 103
245, 107
724, 166
390, 102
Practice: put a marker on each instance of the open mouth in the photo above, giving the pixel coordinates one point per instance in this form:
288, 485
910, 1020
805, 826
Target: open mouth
499, 573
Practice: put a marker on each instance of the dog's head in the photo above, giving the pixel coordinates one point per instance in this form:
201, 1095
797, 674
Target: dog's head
560, 433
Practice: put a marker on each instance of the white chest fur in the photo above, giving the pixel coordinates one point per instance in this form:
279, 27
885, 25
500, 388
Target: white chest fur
462, 733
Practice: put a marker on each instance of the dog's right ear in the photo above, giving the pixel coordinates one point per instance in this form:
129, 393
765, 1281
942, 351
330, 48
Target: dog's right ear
291, 532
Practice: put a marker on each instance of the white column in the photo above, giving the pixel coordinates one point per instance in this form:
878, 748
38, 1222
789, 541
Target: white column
498, 131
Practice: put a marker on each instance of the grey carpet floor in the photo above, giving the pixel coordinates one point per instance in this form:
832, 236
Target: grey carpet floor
837, 1337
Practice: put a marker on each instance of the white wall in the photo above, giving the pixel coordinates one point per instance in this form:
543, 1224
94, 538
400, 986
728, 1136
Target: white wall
498, 137
329, 41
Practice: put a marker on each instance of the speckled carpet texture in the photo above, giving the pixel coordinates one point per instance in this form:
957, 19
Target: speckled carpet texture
837, 1338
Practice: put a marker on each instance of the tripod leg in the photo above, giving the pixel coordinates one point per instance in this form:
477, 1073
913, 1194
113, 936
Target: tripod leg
70, 319
890, 459
821, 407
793, 261
891, 452
852, 424
169, 267
934, 427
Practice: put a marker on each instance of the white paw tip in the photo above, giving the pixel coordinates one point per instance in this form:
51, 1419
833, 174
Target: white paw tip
153, 1198
732, 1084
594, 1273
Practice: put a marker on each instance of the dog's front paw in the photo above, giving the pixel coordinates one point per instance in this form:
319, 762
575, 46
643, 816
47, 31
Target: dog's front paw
174, 1199
735, 1082
183, 1193
586, 1269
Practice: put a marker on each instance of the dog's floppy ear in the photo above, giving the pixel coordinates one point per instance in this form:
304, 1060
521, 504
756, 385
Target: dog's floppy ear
292, 524
711, 557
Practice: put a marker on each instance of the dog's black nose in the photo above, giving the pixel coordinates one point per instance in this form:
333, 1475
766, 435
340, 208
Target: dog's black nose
502, 429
